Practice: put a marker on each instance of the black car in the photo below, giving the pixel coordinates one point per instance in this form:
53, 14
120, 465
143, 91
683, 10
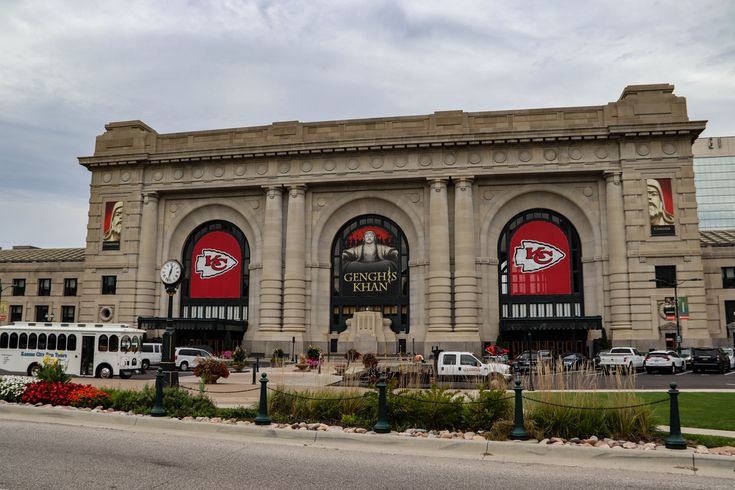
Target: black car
712, 358
529, 360
573, 361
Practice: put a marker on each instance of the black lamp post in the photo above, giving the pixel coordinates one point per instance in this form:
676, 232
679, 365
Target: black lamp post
675, 285
293, 349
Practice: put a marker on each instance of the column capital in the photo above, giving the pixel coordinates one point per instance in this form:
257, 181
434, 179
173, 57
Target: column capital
463, 183
296, 190
273, 190
438, 183
150, 196
613, 176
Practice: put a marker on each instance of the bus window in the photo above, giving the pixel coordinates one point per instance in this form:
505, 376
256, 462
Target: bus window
61, 345
114, 343
136, 344
23, 341
32, 341
13, 340
102, 343
42, 341
71, 344
4, 341
51, 344
125, 344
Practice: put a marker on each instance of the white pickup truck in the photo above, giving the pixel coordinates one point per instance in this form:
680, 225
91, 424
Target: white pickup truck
466, 364
622, 358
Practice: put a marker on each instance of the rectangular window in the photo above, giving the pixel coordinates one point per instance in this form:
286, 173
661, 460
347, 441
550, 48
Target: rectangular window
19, 287
42, 314
70, 287
728, 277
729, 312
67, 314
109, 284
665, 276
44, 287
16, 313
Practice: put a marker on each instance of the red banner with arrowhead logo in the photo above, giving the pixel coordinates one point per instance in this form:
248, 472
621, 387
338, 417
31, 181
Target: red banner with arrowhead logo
540, 262
216, 266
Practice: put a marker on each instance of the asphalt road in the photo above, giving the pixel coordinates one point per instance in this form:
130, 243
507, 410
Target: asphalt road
49, 456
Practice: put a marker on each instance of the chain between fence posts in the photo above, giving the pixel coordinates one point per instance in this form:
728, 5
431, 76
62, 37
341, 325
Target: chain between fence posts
382, 426
263, 418
519, 430
674, 440
158, 409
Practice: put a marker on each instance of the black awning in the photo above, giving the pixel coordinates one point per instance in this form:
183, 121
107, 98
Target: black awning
209, 324
563, 323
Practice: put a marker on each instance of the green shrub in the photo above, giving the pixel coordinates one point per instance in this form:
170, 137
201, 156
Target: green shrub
437, 408
239, 413
322, 406
487, 407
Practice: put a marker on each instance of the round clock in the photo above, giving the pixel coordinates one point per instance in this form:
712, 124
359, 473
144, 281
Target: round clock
171, 272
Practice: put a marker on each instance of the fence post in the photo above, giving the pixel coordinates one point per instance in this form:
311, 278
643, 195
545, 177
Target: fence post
158, 409
674, 440
263, 418
382, 426
519, 430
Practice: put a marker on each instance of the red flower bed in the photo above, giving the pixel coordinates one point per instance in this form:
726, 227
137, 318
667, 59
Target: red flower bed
58, 393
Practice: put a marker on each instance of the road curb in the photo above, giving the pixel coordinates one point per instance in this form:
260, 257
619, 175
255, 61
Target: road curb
683, 462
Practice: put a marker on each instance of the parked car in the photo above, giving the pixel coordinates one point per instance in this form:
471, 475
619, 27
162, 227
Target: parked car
187, 357
573, 360
731, 354
663, 360
686, 354
625, 359
151, 354
712, 358
528, 360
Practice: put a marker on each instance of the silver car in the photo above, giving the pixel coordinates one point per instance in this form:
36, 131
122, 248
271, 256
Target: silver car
731, 354
663, 360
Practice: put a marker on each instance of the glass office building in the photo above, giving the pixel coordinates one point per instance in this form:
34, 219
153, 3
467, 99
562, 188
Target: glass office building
714, 175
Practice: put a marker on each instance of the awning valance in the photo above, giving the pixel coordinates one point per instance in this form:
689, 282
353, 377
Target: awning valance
561, 323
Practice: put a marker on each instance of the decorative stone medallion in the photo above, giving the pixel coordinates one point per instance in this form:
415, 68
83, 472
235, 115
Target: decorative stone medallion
500, 156
240, 170
450, 158
219, 172
178, 174
550, 155
329, 165
353, 164
587, 191
668, 148
106, 177
158, 175
601, 152
425, 160
575, 154
475, 158
400, 162
524, 156
125, 176
376, 162
197, 173
306, 166
643, 149
284, 167
261, 169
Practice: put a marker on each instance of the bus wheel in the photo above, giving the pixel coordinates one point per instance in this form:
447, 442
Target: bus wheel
104, 372
145, 364
125, 374
33, 369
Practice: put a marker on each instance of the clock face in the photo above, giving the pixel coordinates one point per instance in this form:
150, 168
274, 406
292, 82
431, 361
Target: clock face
171, 272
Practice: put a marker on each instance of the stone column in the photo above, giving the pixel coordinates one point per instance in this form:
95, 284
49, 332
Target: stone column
465, 277
147, 289
440, 283
294, 284
271, 277
617, 255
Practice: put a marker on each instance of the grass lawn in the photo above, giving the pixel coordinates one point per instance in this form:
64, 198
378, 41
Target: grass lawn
701, 410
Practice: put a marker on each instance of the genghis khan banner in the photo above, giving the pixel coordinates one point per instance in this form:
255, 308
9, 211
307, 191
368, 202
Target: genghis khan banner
369, 264
216, 266
660, 207
112, 228
540, 260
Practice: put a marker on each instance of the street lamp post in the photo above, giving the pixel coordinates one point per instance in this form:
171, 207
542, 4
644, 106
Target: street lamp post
675, 285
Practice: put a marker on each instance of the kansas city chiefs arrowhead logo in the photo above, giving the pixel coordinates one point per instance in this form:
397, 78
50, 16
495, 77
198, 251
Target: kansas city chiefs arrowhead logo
534, 256
213, 263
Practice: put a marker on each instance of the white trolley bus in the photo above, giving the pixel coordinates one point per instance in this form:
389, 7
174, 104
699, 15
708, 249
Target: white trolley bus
85, 349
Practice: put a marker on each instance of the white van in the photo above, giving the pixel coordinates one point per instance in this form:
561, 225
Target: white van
151, 354
466, 364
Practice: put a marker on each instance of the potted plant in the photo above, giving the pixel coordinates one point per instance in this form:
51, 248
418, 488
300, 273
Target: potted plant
313, 356
238, 359
277, 357
302, 365
210, 369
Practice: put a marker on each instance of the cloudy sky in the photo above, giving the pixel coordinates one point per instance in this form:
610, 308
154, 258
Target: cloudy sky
68, 67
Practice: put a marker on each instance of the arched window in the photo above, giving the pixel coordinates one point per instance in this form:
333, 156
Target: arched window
370, 272
3, 341
41, 341
23, 341
51, 345
125, 344
216, 273
61, 344
102, 343
71, 344
114, 343
13, 341
32, 341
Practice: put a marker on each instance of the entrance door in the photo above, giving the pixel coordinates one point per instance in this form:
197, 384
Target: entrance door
87, 355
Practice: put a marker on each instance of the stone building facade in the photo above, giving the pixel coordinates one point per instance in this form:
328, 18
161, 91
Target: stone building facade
532, 227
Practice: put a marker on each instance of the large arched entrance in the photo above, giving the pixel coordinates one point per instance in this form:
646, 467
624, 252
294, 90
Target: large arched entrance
540, 284
369, 271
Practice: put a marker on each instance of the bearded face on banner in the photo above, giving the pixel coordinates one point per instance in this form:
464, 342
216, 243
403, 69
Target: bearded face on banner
113, 221
659, 203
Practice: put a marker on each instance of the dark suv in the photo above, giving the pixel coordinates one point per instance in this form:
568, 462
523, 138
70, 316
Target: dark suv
714, 358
